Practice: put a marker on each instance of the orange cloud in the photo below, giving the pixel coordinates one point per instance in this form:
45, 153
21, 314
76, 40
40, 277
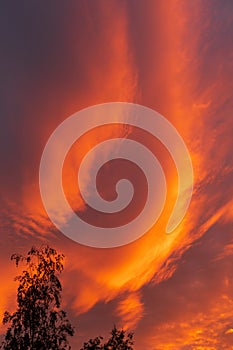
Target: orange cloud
130, 310
156, 63
203, 331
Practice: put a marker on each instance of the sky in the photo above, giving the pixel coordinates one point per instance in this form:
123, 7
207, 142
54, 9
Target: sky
56, 58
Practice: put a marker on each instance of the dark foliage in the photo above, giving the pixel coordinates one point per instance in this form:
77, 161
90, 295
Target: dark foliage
119, 340
38, 323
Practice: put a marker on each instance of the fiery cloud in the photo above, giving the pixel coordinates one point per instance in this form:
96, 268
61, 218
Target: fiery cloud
175, 57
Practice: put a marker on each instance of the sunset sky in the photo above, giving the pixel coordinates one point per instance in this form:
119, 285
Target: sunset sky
176, 57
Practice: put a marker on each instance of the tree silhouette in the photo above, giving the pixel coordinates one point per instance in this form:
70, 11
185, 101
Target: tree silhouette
38, 323
119, 340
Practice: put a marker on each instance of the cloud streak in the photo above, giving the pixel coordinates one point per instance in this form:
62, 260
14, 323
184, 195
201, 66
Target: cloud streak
175, 291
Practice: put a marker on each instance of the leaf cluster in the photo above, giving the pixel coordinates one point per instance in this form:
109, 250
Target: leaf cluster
119, 340
38, 323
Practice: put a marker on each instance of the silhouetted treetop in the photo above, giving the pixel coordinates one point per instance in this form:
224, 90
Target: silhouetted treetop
119, 340
38, 323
